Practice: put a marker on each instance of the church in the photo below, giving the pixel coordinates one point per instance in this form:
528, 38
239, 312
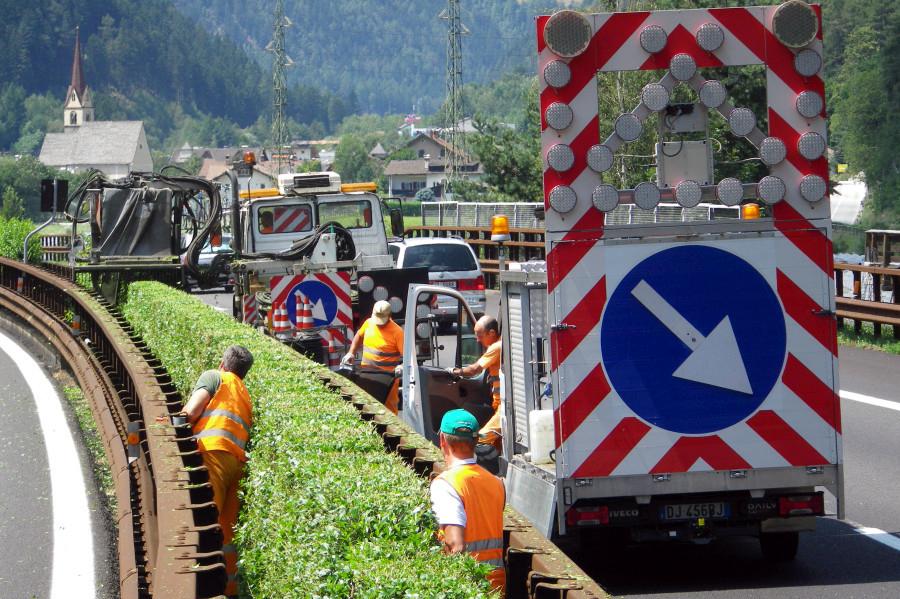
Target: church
116, 148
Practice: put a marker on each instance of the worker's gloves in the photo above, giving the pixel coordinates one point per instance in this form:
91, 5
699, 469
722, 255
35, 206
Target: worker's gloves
398, 371
347, 360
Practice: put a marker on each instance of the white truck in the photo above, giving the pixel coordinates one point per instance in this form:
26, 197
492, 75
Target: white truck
312, 258
667, 379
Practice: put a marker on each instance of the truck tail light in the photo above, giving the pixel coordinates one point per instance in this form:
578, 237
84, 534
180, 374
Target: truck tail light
801, 505
587, 516
476, 284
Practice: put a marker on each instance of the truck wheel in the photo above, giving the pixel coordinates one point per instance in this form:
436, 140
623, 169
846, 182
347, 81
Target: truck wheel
779, 546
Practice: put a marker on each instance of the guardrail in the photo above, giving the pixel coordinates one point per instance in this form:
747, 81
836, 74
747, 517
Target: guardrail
525, 244
169, 540
855, 307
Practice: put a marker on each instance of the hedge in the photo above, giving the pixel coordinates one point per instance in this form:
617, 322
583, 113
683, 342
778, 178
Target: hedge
326, 511
12, 237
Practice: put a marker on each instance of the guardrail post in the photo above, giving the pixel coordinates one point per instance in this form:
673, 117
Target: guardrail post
895, 292
876, 297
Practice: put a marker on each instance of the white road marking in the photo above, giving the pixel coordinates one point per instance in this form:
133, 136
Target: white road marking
73, 542
872, 401
876, 534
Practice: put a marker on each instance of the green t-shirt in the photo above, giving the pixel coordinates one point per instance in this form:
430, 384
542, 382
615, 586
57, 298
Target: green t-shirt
209, 380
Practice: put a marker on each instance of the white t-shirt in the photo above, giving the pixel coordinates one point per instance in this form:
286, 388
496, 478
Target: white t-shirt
446, 503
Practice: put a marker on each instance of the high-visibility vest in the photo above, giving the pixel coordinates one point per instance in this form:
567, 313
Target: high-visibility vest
382, 347
493, 374
483, 498
225, 424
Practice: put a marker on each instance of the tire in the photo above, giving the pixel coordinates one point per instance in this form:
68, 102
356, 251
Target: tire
779, 546
229, 288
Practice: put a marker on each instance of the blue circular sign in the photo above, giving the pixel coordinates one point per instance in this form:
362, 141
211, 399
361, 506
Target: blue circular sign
693, 339
320, 295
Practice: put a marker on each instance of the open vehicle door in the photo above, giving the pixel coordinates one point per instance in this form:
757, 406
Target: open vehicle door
429, 390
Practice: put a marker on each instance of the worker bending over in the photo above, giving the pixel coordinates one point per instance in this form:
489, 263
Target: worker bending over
467, 500
382, 349
220, 412
487, 331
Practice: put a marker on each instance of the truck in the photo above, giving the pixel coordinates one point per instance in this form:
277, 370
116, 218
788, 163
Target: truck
664, 379
311, 259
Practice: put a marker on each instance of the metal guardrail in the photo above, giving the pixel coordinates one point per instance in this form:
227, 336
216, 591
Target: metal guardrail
169, 540
854, 306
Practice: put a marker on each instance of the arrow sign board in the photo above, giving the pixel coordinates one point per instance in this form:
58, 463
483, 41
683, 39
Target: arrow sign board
693, 339
321, 296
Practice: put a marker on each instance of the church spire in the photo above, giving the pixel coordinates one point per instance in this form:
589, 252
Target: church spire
77, 76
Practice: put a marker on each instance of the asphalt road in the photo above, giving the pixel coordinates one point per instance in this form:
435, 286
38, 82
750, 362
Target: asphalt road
835, 561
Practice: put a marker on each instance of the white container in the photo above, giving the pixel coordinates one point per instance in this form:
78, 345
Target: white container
540, 435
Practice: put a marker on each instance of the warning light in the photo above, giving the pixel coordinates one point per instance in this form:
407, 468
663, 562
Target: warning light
349, 187
249, 158
568, 33
500, 228
795, 24
750, 211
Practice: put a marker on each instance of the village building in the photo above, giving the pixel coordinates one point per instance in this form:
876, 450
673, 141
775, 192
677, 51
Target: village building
429, 169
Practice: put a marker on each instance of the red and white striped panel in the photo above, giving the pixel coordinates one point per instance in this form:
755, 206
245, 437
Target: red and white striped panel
250, 309
615, 46
798, 424
291, 219
284, 287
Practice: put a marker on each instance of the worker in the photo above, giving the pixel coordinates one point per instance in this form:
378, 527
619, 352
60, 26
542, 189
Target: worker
220, 413
266, 222
467, 500
487, 331
382, 349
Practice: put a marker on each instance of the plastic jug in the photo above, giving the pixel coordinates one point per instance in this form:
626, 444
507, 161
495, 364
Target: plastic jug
540, 435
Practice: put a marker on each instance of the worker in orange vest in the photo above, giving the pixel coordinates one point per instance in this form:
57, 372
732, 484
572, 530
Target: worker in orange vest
220, 412
490, 437
382, 349
467, 500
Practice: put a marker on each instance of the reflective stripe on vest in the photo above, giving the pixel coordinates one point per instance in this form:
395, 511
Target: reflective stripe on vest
225, 424
483, 498
382, 347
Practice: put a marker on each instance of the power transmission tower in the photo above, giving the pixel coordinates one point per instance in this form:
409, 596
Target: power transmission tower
455, 30
280, 62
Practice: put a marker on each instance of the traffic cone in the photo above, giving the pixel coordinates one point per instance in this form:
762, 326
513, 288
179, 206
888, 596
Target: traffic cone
280, 322
299, 302
334, 357
306, 321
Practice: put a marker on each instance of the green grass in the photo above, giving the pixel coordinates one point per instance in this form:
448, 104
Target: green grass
867, 339
326, 511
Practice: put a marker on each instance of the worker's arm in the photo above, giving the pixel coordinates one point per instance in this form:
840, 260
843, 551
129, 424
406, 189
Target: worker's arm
454, 538
197, 404
354, 347
470, 370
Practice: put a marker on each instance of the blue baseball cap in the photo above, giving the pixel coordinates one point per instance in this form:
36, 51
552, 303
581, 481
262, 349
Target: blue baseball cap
460, 423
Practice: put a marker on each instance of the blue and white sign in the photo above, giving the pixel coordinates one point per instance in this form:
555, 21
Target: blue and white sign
321, 296
693, 339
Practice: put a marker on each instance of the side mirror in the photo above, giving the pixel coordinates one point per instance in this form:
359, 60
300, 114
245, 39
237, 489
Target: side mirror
397, 229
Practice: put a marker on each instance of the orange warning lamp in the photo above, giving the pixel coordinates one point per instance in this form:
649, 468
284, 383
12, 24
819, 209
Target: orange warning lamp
750, 211
249, 158
499, 228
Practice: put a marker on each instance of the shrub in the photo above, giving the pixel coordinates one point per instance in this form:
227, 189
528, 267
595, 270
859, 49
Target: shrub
12, 238
326, 512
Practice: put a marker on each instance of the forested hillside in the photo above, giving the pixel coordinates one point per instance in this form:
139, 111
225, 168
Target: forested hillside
389, 54
143, 60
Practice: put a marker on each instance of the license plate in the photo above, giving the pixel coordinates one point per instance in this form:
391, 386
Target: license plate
692, 511
450, 284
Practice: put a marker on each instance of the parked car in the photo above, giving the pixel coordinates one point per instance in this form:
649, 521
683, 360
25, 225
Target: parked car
215, 267
451, 263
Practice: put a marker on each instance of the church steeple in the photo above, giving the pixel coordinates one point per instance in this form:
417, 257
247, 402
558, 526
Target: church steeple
78, 108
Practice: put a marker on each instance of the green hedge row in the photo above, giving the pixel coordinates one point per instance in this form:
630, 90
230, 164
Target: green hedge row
326, 511
12, 237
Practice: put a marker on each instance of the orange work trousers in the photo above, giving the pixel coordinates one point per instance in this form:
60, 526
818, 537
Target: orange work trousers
225, 472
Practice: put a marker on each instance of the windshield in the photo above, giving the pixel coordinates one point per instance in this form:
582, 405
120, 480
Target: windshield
225, 248
356, 214
440, 257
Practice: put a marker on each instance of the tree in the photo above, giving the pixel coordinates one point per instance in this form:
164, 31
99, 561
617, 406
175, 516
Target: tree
351, 160
12, 206
12, 97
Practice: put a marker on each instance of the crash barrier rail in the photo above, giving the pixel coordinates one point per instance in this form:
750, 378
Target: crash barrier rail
872, 297
478, 214
55, 248
169, 540
524, 244
535, 567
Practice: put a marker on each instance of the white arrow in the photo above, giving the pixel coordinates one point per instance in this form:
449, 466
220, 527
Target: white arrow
318, 312
714, 360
